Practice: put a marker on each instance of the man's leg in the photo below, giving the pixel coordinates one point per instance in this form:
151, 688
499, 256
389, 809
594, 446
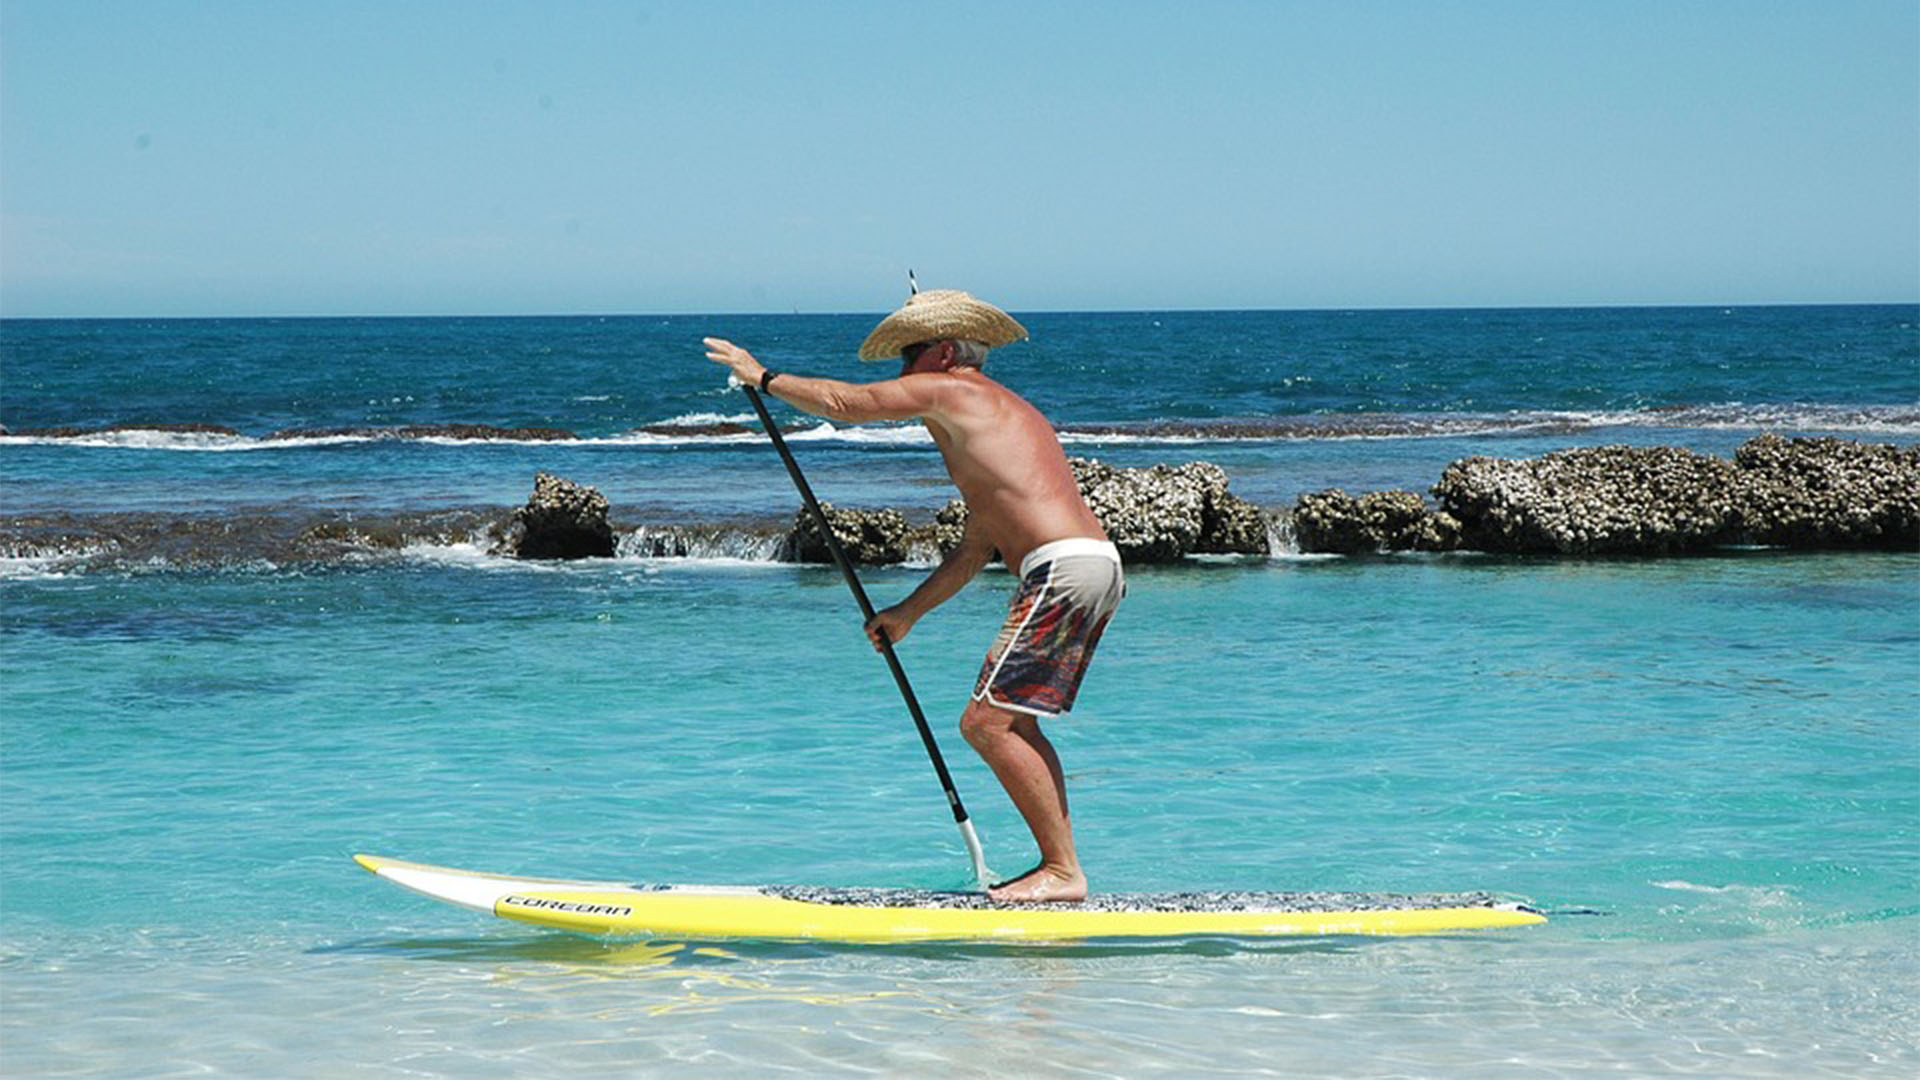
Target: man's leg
1026, 765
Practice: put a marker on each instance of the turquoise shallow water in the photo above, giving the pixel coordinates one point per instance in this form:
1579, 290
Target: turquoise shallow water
1719, 754
1708, 768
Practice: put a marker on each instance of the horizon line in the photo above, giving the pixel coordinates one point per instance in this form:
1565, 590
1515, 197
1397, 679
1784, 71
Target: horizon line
1650, 306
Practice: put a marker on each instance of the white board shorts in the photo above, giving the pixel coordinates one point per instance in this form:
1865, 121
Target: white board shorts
1068, 592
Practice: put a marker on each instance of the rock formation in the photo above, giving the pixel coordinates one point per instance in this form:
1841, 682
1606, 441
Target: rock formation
1619, 500
869, 537
1160, 514
1609, 500
460, 432
1163, 513
563, 520
1829, 493
70, 432
1153, 515
1334, 521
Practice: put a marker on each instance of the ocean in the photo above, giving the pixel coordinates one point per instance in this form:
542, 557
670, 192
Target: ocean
1705, 769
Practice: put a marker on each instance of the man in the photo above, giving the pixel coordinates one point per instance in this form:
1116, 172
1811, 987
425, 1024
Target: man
1022, 502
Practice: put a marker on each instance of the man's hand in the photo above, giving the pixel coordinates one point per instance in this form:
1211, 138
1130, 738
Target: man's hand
744, 366
894, 621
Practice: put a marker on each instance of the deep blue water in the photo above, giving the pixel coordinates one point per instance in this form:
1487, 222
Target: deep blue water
1286, 401
1719, 756
603, 376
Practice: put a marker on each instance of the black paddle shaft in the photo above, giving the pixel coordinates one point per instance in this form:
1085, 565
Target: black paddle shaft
866, 605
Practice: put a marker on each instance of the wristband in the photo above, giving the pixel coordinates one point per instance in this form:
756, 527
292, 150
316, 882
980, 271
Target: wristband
766, 379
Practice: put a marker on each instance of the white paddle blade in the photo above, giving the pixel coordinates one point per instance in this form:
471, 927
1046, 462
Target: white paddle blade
979, 857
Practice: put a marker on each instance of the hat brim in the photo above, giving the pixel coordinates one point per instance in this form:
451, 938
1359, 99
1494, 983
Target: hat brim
938, 316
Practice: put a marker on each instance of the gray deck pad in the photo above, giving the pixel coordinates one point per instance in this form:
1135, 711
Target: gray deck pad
1168, 901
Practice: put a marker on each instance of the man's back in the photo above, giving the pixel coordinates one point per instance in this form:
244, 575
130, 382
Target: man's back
1007, 462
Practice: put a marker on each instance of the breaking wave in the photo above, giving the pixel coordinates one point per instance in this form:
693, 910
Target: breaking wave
709, 428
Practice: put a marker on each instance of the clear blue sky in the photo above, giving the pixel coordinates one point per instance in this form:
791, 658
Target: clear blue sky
213, 157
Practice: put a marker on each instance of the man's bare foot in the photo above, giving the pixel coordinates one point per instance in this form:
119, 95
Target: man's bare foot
1042, 885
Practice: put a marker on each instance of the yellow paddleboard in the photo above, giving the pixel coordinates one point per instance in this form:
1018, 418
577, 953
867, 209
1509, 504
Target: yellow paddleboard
777, 913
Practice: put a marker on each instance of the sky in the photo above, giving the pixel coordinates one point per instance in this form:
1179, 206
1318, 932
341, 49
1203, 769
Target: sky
209, 157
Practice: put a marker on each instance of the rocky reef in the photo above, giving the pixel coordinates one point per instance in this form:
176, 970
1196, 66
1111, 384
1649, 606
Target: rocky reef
1620, 500
1829, 493
1339, 523
1609, 500
1158, 514
71, 432
869, 537
455, 432
1800, 493
562, 520
76, 540
1166, 512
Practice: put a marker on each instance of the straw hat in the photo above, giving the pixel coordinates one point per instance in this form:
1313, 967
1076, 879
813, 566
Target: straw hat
936, 315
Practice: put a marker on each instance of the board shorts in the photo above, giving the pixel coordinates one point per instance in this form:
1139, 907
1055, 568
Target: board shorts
1068, 590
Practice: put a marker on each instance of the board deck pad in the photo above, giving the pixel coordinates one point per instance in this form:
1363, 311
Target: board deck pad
1160, 901
881, 915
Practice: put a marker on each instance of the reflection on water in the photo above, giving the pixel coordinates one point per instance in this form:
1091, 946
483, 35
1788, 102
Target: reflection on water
576, 950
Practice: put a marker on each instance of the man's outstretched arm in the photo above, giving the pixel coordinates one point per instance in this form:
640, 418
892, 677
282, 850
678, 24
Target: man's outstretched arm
855, 403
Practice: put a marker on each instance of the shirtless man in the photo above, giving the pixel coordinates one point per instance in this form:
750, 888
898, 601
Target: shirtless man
1022, 502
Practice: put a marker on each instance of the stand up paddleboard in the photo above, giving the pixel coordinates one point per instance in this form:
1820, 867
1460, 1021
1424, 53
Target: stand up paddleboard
804, 913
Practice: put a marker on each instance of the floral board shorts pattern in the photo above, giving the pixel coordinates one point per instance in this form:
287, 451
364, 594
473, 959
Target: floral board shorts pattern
1068, 590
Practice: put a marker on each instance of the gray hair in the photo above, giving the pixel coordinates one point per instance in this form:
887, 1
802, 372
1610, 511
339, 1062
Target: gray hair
968, 353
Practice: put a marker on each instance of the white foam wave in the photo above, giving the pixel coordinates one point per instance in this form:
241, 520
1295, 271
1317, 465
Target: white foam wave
653, 564
1893, 421
214, 443
888, 435
204, 442
1770, 907
1739, 416
823, 432
695, 542
1282, 541
656, 438
469, 555
702, 418
1765, 903
1867, 419
32, 568
1873, 420
1084, 438
1757, 894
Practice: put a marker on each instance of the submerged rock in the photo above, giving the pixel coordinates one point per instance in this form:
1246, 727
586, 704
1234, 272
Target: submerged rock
563, 520
277, 537
70, 432
461, 432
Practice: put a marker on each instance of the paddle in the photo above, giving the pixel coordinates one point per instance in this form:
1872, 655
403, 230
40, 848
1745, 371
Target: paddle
980, 870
